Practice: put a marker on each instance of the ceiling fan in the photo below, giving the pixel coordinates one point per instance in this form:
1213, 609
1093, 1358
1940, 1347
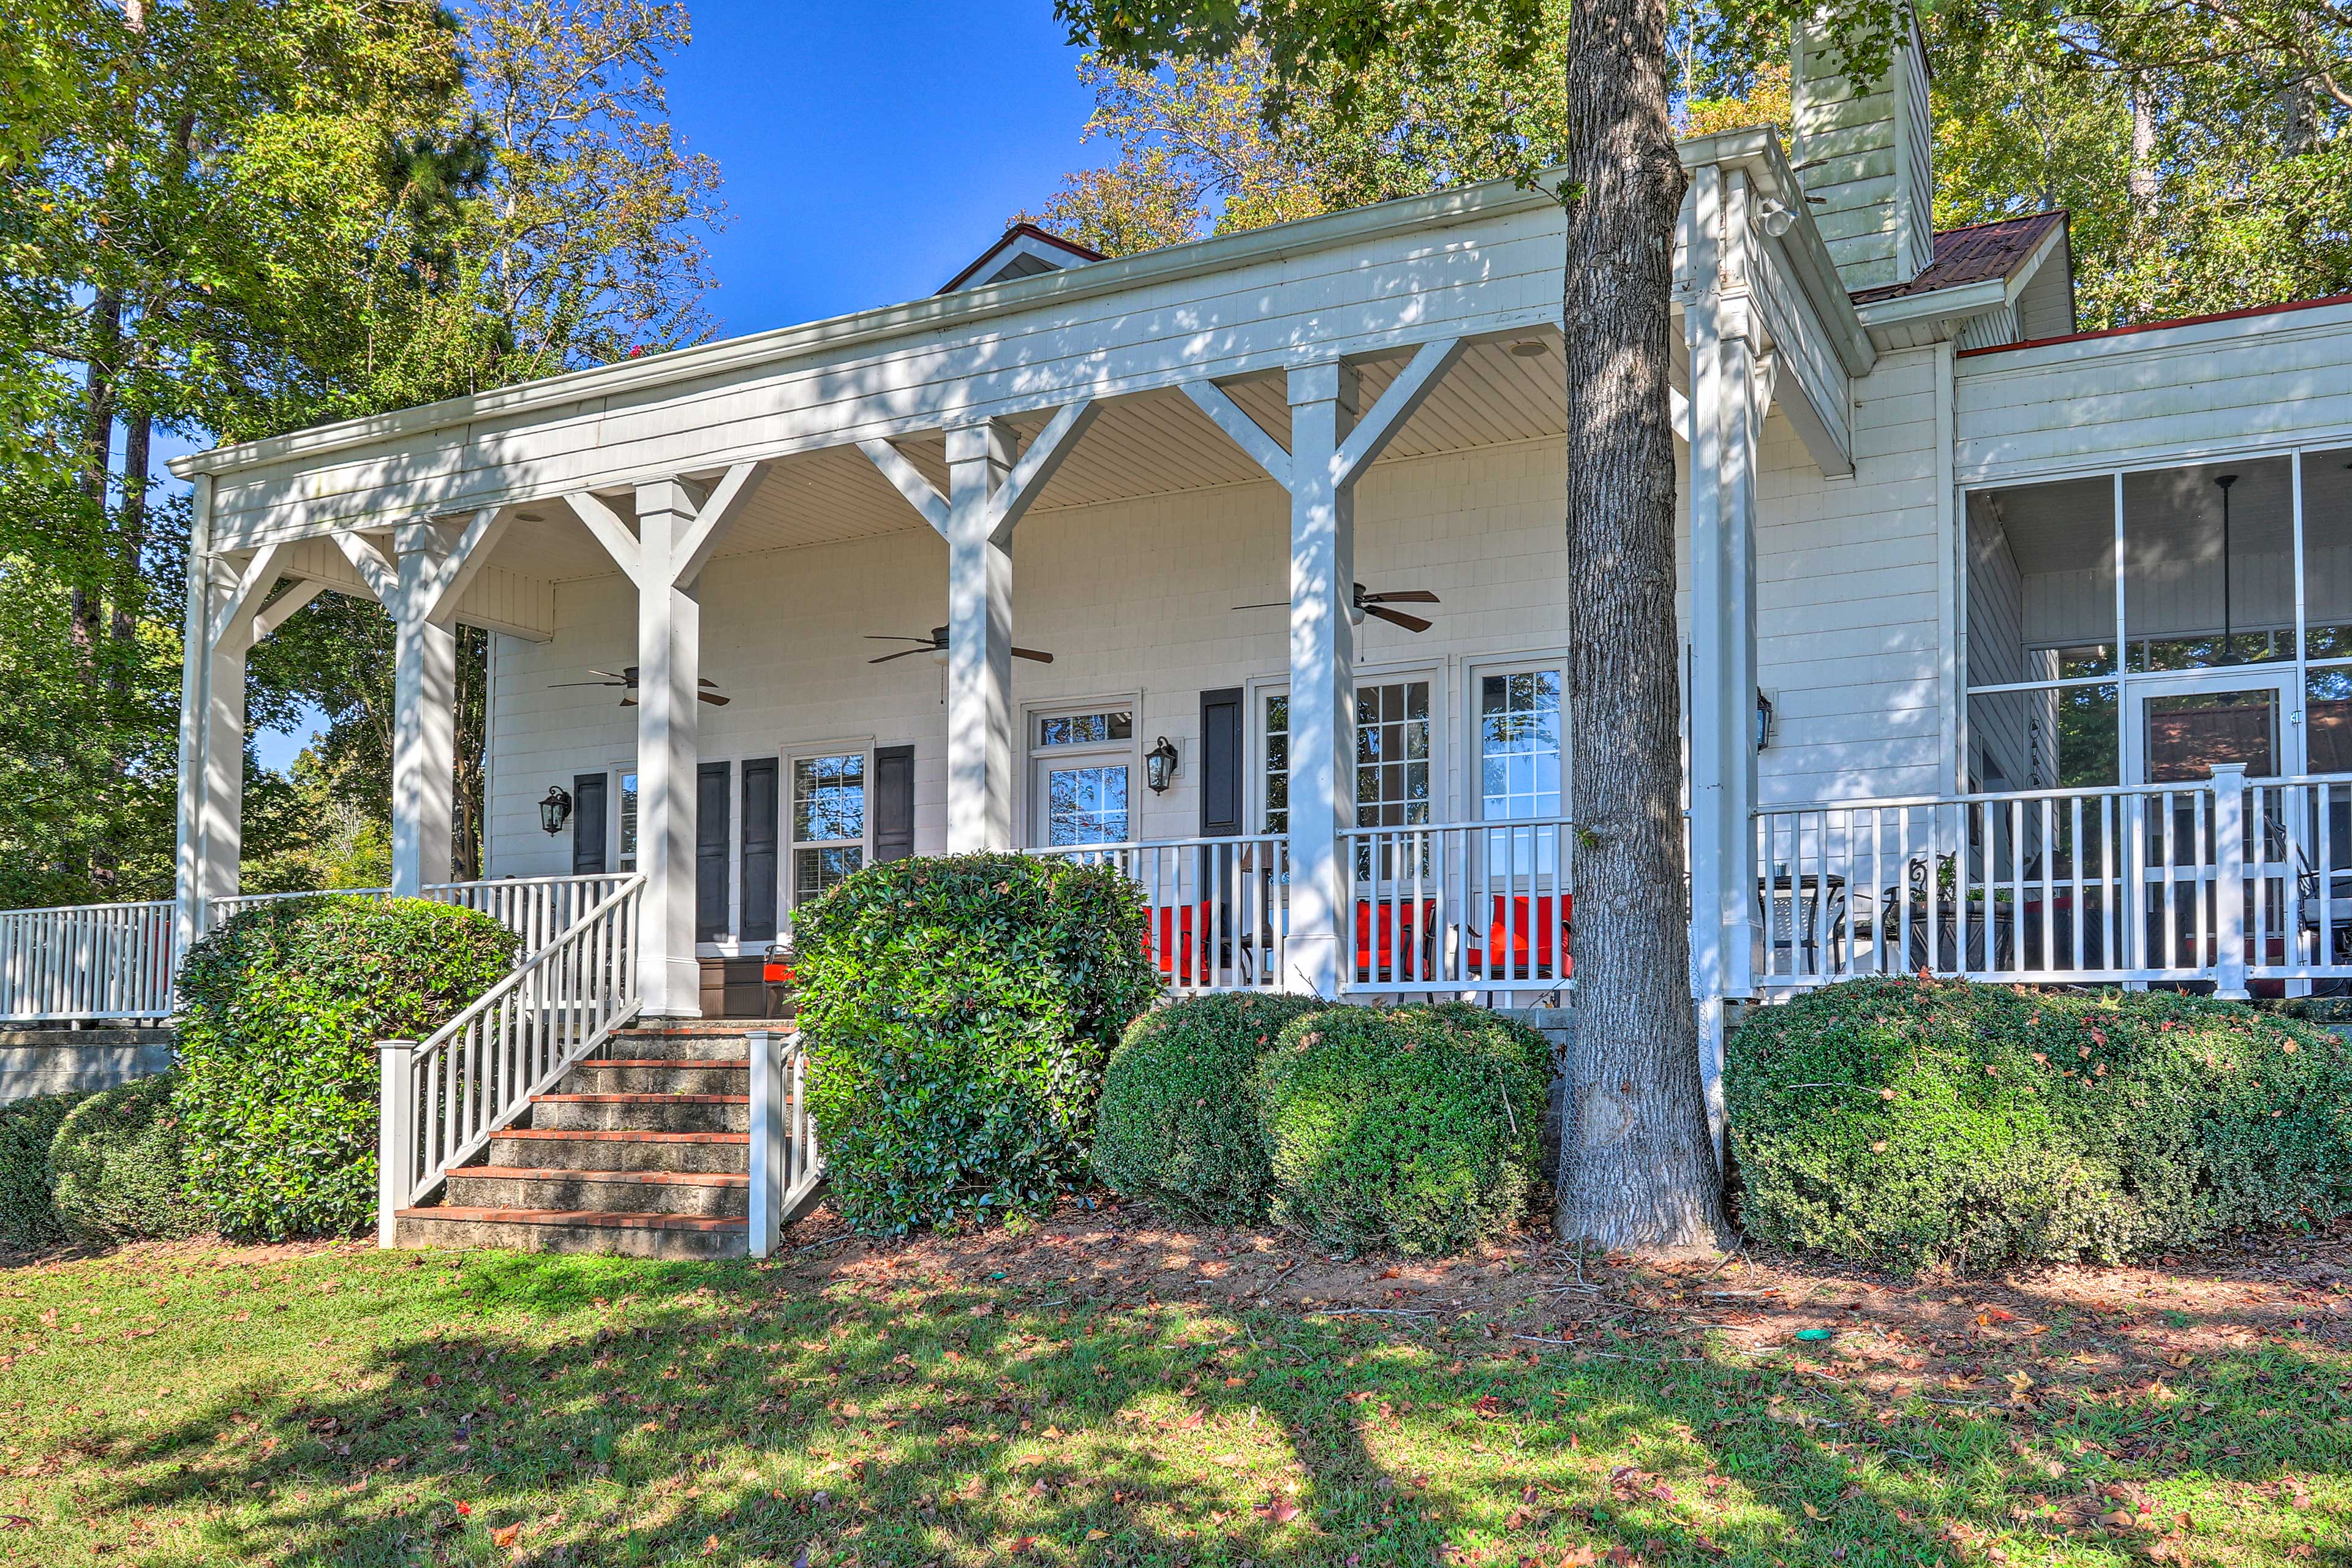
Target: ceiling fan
626, 678
1377, 604
937, 643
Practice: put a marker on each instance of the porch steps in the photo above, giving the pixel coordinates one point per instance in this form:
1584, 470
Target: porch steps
642, 1152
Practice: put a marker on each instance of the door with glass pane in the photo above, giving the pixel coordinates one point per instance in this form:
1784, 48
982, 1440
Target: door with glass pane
2179, 730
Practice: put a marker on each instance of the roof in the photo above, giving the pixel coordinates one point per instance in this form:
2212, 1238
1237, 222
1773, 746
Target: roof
1974, 254
1023, 252
2138, 327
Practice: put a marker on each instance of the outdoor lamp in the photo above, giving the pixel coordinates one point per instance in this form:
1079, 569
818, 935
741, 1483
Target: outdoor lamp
1763, 719
554, 809
1159, 766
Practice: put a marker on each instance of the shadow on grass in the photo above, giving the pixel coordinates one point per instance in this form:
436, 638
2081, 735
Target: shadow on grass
734, 1418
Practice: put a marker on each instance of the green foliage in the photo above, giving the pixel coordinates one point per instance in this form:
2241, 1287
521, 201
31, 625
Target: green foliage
958, 1012
1176, 1125
1911, 1123
280, 1011
1417, 1129
116, 1166
28, 1217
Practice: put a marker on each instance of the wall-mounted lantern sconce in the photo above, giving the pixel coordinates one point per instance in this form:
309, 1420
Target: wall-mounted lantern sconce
1763, 719
1159, 766
554, 809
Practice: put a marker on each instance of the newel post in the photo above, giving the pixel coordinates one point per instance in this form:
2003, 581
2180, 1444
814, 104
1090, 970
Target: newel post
395, 1147
767, 1128
2230, 881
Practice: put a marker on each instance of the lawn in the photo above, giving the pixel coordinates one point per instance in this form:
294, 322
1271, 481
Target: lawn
1097, 1390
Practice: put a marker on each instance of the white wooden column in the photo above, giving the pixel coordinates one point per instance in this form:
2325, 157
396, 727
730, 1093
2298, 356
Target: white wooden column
1330, 447
674, 540
1322, 792
980, 641
1727, 397
989, 493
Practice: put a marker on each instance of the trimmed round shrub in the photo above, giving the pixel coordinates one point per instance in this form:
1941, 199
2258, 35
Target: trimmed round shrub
1177, 1124
958, 1011
280, 1009
1912, 1124
29, 1219
1418, 1130
116, 1165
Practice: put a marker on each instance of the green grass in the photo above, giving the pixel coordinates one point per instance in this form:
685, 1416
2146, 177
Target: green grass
356, 1407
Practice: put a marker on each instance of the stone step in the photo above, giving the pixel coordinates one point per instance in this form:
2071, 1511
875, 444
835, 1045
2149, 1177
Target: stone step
679, 1045
642, 1074
642, 1112
709, 1195
625, 1235
699, 1154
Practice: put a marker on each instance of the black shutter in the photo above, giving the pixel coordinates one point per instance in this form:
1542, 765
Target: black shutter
710, 839
894, 803
760, 819
1221, 763
588, 824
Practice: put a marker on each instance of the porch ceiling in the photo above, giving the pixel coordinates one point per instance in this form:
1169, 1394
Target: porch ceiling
1155, 443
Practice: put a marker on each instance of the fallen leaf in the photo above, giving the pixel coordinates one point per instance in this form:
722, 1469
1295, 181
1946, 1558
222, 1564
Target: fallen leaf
505, 1535
1281, 1511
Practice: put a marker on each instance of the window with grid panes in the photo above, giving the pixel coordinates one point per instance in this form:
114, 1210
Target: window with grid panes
828, 822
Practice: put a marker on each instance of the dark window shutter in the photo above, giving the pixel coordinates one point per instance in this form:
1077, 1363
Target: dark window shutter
760, 864
894, 803
710, 839
1221, 763
588, 821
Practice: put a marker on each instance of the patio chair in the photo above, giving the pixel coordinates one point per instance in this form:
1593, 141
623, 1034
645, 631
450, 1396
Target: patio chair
1523, 940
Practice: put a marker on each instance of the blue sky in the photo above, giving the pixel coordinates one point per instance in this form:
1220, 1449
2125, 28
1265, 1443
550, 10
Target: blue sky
868, 151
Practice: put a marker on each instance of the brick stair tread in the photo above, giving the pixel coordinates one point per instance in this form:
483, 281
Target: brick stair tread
622, 1135
598, 1218
646, 1098
643, 1178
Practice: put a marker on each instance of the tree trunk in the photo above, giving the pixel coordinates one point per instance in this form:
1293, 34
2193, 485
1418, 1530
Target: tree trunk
97, 471
1637, 1161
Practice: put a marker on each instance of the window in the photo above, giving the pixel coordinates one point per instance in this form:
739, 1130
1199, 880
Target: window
1081, 765
828, 822
1277, 762
1392, 754
1518, 745
628, 814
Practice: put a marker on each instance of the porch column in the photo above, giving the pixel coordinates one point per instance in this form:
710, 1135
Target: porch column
1727, 399
1322, 673
424, 715
980, 640
678, 529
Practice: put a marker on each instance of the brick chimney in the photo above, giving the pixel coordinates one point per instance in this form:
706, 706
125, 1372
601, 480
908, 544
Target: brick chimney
1866, 157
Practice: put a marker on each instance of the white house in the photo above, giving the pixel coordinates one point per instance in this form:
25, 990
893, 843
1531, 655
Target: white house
2009, 649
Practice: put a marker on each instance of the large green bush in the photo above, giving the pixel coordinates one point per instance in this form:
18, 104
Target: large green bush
116, 1165
29, 1218
1912, 1123
958, 1011
1417, 1129
280, 1010
1177, 1122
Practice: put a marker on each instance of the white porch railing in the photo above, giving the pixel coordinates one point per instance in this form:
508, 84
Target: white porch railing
2221, 879
534, 908
785, 1164
1216, 910
444, 1099
1462, 907
86, 961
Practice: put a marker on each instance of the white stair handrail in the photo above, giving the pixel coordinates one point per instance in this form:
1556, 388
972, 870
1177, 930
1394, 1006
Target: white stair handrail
785, 1166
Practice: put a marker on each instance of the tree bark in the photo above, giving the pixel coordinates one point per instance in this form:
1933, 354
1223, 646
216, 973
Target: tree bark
1637, 1161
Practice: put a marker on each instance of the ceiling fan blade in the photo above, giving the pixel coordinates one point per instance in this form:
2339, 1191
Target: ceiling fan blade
713, 698
902, 653
1403, 596
884, 636
562, 684
630, 676
706, 680
1410, 622
628, 702
1269, 604
1032, 653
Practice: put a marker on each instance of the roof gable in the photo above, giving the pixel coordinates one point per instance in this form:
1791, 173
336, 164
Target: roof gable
1025, 251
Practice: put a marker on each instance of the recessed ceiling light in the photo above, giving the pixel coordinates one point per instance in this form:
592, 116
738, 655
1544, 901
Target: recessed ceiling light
1529, 348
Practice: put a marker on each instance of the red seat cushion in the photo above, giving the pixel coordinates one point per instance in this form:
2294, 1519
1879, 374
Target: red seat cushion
1511, 926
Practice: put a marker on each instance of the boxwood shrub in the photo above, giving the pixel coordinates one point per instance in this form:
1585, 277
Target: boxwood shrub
1178, 1124
1417, 1129
958, 1011
116, 1167
280, 1010
29, 1219
1913, 1123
